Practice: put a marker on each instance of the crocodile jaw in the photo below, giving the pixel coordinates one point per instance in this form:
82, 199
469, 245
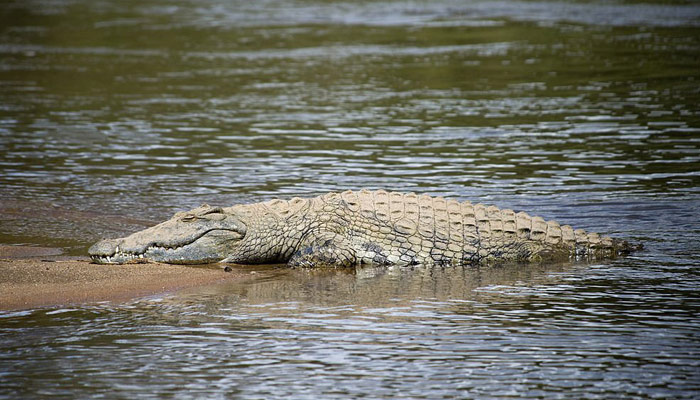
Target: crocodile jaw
210, 247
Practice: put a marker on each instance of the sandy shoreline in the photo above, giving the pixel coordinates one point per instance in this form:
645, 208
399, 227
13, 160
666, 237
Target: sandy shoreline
49, 281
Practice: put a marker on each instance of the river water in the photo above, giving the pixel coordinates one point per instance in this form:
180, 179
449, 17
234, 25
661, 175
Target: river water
114, 115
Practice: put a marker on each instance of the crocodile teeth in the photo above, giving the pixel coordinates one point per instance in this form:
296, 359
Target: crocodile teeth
121, 256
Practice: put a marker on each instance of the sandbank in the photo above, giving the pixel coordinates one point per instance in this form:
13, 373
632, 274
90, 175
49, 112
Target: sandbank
43, 281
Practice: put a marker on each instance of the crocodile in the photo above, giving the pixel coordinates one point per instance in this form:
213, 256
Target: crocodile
354, 228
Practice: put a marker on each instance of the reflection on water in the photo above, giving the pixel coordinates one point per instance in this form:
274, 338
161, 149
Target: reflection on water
519, 331
114, 115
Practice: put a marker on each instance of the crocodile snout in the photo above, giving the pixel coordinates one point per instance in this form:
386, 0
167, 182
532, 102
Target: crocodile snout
106, 247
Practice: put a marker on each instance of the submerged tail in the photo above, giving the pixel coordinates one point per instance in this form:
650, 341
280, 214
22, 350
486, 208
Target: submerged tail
593, 246
624, 248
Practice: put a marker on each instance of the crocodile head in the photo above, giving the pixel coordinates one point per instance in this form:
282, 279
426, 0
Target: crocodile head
203, 235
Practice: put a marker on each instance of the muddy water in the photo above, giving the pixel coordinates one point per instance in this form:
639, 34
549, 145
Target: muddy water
114, 115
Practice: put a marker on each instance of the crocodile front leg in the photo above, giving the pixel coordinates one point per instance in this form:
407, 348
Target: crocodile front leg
324, 249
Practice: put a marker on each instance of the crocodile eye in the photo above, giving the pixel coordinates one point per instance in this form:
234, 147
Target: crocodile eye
188, 218
214, 210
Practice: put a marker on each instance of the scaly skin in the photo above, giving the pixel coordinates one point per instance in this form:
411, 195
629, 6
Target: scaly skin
354, 228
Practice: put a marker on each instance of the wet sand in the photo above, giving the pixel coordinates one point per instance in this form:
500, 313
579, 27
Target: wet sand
38, 281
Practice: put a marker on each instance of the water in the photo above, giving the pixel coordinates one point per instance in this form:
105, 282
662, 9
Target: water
114, 115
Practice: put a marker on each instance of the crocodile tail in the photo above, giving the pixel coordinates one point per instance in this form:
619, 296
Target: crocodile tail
582, 244
593, 245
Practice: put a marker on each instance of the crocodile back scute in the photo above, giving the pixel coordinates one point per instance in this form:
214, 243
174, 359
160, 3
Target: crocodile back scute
443, 229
